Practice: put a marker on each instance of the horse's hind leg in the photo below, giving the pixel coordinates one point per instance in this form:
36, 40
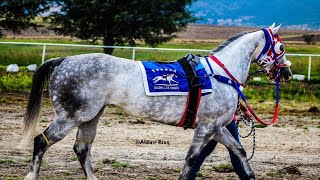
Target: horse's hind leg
225, 138
200, 139
85, 136
54, 133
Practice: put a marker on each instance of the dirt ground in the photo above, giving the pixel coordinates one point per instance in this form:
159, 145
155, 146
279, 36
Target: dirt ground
288, 150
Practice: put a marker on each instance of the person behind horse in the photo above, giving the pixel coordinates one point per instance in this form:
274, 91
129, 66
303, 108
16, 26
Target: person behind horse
207, 150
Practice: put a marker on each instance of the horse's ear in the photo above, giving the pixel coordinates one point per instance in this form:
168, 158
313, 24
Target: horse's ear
272, 26
276, 29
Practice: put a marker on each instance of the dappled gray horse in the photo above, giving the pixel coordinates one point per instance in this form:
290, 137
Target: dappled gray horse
81, 86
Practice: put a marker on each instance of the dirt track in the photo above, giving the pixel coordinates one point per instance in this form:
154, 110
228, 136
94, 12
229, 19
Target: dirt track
288, 150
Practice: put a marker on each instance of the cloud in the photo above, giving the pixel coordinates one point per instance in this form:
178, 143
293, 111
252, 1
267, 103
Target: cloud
210, 21
302, 27
200, 14
240, 21
201, 4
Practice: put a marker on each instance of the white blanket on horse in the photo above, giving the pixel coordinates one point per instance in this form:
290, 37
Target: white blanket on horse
170, 79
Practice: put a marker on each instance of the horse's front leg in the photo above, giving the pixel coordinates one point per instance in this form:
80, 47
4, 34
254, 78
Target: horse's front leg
201, 137
224, 137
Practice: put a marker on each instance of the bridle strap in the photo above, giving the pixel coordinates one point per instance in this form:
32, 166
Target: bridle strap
276, 67
216, 60
267, 45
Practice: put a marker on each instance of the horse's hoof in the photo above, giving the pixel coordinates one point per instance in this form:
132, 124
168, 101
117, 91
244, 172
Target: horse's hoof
92, 178
251, 176
30, 176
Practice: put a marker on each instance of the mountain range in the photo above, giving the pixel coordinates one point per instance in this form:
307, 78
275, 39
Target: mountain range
293, 14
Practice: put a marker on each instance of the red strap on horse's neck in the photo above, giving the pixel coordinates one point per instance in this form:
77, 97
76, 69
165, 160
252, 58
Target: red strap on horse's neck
249, 108
275, 114
216, 60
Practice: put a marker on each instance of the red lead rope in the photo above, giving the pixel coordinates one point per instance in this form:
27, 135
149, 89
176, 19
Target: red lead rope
259, 120
249, 108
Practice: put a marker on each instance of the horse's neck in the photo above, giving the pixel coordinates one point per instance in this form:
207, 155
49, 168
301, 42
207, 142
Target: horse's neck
237, 55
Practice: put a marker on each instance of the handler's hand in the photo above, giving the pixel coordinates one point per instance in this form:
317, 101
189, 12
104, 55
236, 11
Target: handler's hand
247, 114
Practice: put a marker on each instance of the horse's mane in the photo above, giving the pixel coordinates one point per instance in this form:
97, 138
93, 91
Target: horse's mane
228, 41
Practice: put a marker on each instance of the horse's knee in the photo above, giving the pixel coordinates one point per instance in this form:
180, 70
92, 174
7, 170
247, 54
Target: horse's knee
81, 150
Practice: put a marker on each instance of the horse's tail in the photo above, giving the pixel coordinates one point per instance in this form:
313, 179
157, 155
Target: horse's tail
40, 77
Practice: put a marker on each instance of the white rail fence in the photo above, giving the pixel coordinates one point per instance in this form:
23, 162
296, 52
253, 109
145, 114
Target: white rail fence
44, 45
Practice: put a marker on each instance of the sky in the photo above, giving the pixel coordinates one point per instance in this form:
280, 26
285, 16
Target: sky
293, 14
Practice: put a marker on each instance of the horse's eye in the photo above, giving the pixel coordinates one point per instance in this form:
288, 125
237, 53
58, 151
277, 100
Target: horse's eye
279, 47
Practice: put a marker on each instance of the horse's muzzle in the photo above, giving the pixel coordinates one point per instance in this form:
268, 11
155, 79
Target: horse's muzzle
285, 74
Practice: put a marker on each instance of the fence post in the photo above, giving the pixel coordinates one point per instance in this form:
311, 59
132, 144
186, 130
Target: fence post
309, 69
43, 53
133, 53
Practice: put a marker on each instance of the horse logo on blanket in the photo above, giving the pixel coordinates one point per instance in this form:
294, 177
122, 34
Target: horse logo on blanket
165, 77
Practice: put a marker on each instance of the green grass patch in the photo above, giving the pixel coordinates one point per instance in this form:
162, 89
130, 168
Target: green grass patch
294, 90
260, 126
12, 177
74, 158
302, 49
28, 160
6, 161
15, 81
199, 174
223, 168
275, 174
281, 173
116, 164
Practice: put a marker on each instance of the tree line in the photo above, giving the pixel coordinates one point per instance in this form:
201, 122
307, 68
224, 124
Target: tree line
114, 22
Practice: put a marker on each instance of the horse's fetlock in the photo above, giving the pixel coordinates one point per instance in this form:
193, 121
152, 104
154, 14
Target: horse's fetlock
192, 160
250, 175
242, 151
40, 142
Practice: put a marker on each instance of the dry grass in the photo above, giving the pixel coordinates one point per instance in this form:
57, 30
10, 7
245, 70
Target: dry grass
220, 33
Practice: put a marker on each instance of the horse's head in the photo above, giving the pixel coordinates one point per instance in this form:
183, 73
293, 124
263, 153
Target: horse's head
272, 57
